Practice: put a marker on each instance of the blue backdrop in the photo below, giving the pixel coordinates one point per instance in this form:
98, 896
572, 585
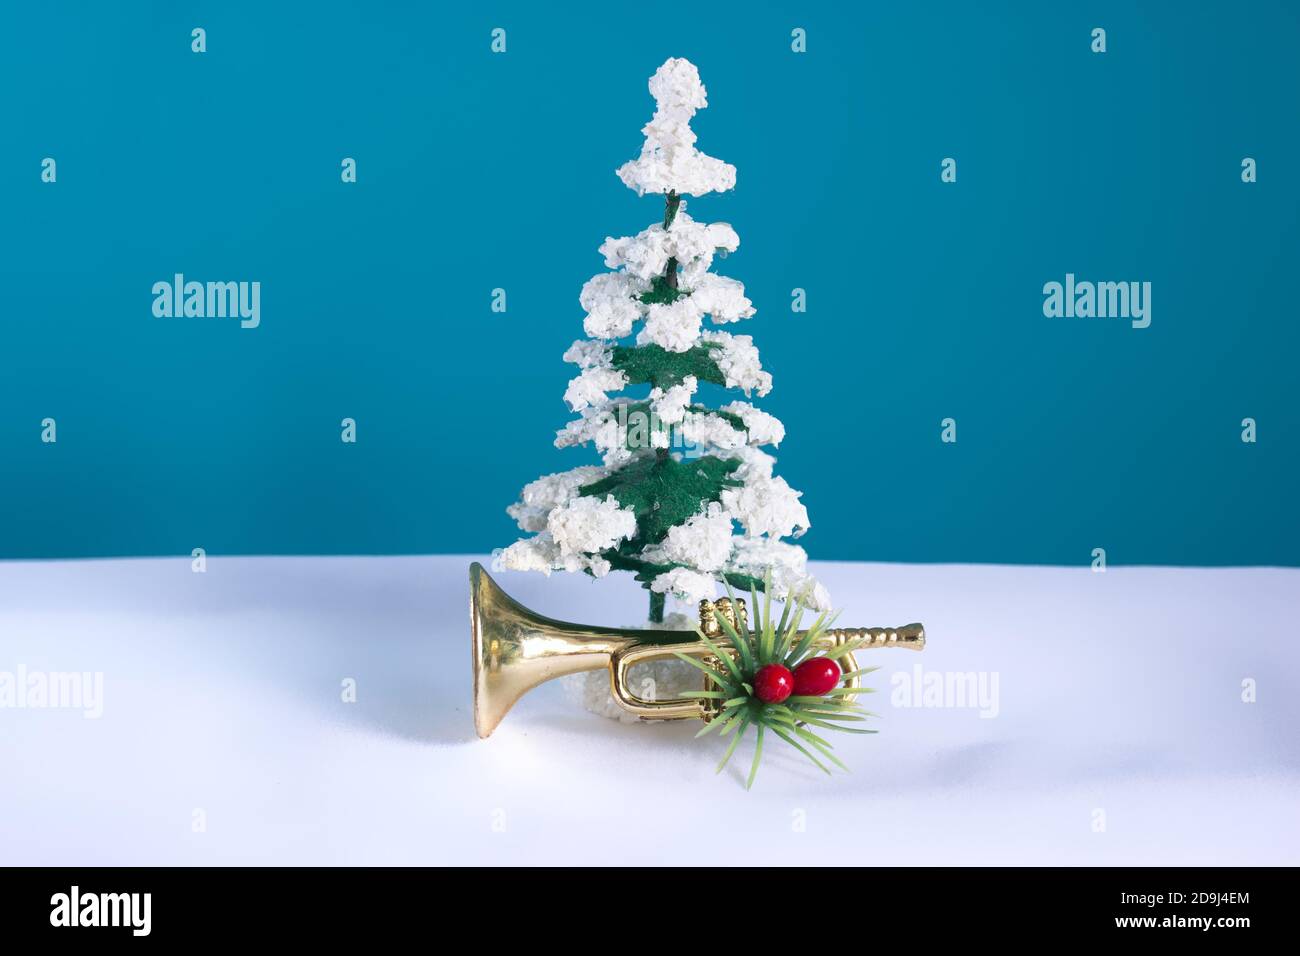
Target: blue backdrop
479, 170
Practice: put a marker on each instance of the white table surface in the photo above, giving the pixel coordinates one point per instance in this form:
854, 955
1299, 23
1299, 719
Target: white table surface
1118, 692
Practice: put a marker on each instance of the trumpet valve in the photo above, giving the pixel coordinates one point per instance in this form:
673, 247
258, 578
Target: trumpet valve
711, 611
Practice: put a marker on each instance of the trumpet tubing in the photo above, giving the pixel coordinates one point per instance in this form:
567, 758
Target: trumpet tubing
910, 636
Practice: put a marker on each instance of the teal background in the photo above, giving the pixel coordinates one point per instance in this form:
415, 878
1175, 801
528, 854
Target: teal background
479, 171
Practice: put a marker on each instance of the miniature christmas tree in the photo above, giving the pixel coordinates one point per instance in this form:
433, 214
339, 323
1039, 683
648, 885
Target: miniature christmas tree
678, 477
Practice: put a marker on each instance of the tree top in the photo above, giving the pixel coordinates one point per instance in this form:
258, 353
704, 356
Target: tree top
669, 161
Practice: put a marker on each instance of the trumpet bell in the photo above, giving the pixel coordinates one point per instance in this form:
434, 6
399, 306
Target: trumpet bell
515, 649
507, 641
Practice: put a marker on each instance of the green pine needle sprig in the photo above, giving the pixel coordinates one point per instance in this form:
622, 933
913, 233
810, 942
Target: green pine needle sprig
737, 657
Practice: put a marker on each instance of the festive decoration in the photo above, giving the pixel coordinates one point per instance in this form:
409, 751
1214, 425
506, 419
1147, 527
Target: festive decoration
684, 497
677, 476
753, 671
516, 649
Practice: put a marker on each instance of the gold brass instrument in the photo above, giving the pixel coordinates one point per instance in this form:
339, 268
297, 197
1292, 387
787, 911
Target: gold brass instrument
516, 649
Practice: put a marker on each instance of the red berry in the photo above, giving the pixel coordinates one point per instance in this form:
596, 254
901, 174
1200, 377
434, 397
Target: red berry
773, 683
816, 676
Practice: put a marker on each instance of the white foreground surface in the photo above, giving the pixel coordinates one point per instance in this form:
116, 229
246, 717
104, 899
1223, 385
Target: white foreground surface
1119, 704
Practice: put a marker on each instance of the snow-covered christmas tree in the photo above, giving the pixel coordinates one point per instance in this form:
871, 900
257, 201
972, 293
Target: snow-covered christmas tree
685, 496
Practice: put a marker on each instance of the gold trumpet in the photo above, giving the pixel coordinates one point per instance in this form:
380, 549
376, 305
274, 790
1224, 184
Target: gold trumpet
516, 649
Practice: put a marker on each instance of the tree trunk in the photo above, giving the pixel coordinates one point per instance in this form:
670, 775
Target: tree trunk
670, 213
657, 607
